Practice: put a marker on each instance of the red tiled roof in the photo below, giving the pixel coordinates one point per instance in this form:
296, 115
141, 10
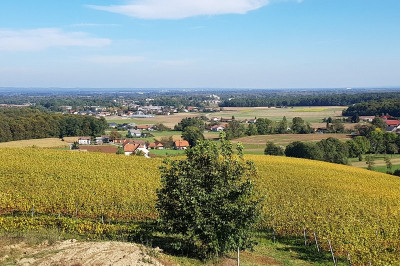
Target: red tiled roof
83, 138
130, 147
182, 143
143, 127
155, 144
392, 122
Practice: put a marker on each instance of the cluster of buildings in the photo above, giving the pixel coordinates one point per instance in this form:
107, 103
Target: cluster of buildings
132, 146
392, 124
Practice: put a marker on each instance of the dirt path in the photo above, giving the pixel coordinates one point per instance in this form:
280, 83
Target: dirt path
72, 252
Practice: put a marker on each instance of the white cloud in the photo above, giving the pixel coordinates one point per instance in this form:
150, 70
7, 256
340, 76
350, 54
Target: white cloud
43, 38
114, 59
179, 9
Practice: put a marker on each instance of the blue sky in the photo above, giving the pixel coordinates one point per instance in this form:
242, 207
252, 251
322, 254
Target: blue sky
200, 43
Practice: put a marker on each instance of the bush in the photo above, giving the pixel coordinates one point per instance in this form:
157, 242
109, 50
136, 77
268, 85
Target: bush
397, 172
273, 149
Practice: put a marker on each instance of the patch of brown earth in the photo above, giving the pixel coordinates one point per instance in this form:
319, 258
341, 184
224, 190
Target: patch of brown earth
72, 252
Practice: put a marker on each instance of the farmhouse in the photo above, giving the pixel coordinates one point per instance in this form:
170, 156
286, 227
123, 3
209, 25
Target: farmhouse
217, 128
143, 127
135, 133
181, 145
84, 140
156, 146
392, 123
130, 148
112, 125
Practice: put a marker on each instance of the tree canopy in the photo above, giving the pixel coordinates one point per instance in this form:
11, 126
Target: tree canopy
208, 198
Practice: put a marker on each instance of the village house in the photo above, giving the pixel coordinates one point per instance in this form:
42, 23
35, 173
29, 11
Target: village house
156, 146
392, 123
367, 118
217, 128
134, 147
181, 145
112, 125
144, 127
134, 133
84, 140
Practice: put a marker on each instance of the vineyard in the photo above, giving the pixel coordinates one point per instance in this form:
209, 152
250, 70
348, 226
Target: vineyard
355, 210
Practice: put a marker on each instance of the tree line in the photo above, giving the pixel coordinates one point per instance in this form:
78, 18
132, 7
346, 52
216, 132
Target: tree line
333, 150
342, 99
372, 108
28, 123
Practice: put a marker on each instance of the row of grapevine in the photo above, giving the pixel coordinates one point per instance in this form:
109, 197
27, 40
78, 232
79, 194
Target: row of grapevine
357, 210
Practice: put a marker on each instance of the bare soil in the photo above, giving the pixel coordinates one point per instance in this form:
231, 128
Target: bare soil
73, 252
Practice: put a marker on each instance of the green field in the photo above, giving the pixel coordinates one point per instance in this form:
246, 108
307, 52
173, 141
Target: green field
309, 114
167, 152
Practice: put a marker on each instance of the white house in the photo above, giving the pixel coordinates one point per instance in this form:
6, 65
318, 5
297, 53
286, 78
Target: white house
84, 140
217, 128
134, 133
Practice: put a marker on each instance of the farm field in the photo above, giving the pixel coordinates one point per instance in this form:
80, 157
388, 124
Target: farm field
379, 162
355, 209
256, 144
309, 114
168, 120
39, 143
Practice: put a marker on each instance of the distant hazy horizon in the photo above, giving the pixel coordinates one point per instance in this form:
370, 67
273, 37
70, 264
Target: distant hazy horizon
233, 44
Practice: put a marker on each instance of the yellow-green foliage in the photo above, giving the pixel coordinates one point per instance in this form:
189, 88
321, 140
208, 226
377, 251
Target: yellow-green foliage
87, 185
357, 210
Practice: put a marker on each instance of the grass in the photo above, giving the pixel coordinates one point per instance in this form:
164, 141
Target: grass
309, 114
256, 144
310, 110
383, 169
163, 153
39, 143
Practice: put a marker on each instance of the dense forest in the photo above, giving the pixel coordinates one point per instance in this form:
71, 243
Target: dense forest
28, 123
342, 99
387, 106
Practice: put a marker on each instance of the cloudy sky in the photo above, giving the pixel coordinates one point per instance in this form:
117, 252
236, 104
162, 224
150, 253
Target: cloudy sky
199, 43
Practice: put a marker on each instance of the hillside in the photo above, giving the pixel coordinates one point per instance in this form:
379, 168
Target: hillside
357, 210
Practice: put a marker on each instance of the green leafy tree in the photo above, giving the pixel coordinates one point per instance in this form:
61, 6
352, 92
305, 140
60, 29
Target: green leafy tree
264, 126
389, 165
299, 126
251, 130
282, 127
75, 146
167, 142
333, 151
337, 126
376, 139
207, 199
192, 135
355, 118
120, 150
378, 123
235, 130
370, 161
272, 149
305, 150
190, 122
